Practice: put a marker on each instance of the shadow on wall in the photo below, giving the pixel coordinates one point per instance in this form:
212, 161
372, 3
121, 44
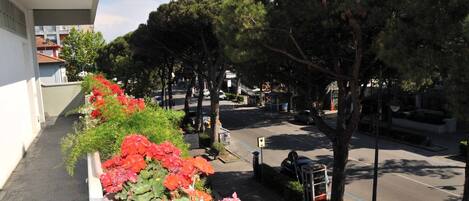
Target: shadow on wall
61, 98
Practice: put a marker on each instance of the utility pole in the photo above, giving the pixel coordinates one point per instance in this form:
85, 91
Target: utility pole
377, 131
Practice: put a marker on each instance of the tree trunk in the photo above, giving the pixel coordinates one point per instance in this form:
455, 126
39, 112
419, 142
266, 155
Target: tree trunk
261, 96
200, 99
170, 96
214, 116
188, 97
341, 150
238, 85
163, 93
466, 178
170, 87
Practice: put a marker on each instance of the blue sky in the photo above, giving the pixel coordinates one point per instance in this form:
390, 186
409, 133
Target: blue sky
118, 17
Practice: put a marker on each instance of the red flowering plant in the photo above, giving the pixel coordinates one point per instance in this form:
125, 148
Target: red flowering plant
149, 171
107, 100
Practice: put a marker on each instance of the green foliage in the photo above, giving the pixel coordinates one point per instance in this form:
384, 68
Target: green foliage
237, 25
220, 148
204, 139
80, 50
290, 189
117, 60
157, 124
240, 99
149, 185
230, 96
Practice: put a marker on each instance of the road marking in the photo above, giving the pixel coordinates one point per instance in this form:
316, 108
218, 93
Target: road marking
399, 175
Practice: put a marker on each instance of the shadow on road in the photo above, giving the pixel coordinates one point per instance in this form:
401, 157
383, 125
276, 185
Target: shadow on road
249, 118
291, 142
242, 182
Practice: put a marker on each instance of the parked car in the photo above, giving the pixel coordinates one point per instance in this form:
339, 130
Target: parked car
304, 117
221, 95
158, 100
287, 166
206, 92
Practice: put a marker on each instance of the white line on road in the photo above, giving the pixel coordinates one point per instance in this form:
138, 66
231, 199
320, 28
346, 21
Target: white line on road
399, 175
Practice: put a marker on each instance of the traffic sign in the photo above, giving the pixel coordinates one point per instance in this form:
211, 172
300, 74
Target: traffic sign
261, 142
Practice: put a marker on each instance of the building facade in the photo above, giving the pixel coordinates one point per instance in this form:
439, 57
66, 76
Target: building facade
21, 105
57, 34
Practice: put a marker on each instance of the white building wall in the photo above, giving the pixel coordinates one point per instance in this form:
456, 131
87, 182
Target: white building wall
21, 110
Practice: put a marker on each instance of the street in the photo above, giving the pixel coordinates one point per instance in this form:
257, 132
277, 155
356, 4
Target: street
406, 173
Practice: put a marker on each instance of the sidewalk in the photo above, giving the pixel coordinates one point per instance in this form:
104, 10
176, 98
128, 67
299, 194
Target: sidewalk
41, 175
237, 177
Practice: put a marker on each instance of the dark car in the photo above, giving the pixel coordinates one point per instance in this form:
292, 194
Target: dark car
288, 164
304, 117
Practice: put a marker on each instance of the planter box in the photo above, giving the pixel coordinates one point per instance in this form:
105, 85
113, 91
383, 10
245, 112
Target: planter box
95, 190
448, 127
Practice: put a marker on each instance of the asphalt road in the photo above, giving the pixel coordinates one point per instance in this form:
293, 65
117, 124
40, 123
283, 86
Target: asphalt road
406, 173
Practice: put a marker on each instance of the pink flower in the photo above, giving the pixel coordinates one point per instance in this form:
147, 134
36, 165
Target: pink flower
234, 198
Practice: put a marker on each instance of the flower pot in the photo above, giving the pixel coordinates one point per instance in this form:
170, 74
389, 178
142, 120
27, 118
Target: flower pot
95, 190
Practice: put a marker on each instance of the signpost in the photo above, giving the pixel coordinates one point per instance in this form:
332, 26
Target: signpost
261, 144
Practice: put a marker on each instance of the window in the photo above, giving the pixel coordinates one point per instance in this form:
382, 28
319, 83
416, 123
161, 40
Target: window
39, 29
52, 37
12, 18
49, 28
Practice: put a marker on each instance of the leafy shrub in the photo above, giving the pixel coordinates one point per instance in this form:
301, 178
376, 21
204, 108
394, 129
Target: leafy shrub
290, 189
230, 96
204, 139
240, 99
220, 148
110, 115
157, 124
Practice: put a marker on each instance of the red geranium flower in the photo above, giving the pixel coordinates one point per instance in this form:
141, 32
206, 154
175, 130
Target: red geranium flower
135, 163
203, 165
196, 195
95, 113
135, 144
172, 163
115, 88
112, 163
174, 181
113, 180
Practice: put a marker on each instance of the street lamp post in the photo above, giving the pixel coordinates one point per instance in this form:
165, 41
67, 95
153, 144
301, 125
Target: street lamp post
394, 106
377, 130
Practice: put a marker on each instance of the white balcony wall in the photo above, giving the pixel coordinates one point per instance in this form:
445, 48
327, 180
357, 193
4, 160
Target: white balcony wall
20, 96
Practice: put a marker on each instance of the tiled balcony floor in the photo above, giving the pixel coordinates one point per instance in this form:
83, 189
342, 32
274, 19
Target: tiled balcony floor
41, 175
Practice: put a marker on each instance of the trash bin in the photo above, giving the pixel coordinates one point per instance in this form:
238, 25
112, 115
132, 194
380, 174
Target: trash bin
224, 136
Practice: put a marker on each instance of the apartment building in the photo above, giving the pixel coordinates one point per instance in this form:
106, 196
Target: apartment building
56, 34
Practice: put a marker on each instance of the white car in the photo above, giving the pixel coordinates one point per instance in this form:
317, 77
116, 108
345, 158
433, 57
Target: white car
206, 92
221, 95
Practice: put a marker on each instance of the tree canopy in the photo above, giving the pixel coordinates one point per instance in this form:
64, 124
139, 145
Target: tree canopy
80, 50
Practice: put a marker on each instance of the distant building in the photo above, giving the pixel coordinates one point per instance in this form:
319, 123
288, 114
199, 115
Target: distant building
51, 69
49, 40
47, 47
57, 34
